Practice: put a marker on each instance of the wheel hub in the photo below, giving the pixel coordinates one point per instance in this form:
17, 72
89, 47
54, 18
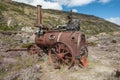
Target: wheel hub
60, 55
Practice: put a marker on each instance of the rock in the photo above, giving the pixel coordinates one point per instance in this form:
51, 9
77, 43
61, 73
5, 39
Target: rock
27, 29
38, 66
116, 33
9, 21
103, 34
92, 39
25, 37
32, 38
113, 41
117, 74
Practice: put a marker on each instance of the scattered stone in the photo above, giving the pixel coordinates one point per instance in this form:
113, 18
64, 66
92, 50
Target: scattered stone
116, 33
113, 41
57, 67
27, 29
92, 39
117, 73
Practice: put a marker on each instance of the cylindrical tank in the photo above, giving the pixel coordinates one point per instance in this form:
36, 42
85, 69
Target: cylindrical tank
75, 39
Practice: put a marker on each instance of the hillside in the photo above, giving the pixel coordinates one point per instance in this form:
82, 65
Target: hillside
15, 15
103, 61
103, 48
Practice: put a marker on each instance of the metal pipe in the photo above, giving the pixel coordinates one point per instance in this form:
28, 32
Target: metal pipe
39, 16
20, 49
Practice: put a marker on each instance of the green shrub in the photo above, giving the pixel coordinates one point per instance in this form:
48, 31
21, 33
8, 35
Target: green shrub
3, 7
6, 28
91, 43
26, 45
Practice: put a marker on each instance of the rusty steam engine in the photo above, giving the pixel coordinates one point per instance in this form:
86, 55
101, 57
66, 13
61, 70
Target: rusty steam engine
63, 46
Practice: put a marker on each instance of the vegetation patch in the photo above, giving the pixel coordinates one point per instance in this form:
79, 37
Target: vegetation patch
91, 43
26, 45
6, 28
3, 7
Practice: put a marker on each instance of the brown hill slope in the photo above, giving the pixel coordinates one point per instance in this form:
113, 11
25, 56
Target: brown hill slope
15, 15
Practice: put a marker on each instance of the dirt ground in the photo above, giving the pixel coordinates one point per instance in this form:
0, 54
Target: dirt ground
104, 60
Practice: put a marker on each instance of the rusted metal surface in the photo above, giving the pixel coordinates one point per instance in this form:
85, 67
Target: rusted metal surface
14, 32
64, 47
18, 49
67, 46
39, 16
33, 49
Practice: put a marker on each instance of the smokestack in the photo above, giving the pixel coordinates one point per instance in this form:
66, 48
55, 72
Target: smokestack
39, 16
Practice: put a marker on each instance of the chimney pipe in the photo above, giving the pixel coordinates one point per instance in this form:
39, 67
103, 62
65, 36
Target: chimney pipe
39, 16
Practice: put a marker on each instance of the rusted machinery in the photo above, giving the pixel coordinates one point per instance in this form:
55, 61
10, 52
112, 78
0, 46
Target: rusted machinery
64, 47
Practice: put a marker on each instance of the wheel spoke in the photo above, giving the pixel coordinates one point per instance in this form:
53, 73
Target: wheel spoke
65, 53
54, 51
62, 54
59, 61
57, 48
67, 57
64, 61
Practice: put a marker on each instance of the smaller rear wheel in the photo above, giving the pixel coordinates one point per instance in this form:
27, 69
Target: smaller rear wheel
33, 49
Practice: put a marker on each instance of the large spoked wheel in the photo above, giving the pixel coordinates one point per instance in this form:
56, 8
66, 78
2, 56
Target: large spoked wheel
61, 54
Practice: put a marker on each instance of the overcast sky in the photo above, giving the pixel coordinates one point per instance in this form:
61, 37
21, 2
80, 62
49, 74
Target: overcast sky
107, 9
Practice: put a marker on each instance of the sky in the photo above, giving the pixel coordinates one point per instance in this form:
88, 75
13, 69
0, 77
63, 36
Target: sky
106, 9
